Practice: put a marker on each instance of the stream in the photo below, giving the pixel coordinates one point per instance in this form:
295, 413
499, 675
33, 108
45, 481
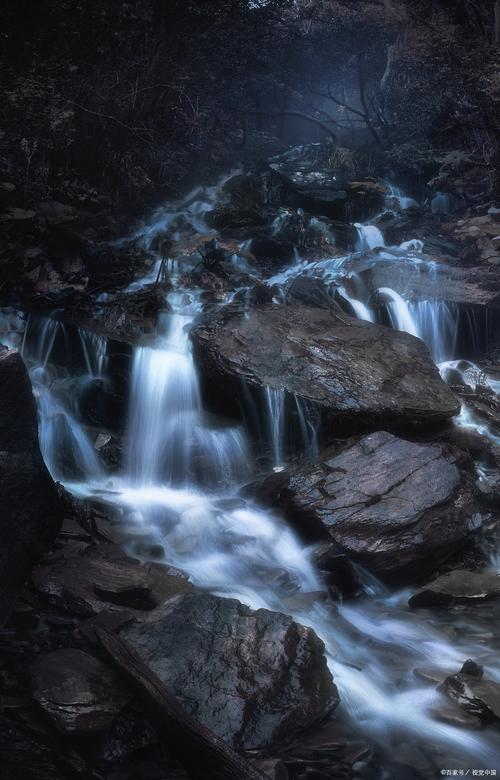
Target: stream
168, 498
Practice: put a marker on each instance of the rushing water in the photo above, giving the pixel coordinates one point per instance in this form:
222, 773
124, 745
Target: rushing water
179, 491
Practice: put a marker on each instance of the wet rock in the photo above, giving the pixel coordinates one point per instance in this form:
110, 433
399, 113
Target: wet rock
104, 577
472, 668
338, 572
76, 691
228, 219
355, 373
269, 254
310, 291
254, 678
306, 173
457, 587
477, 696
395, 507
432, 674
453, 715
31, 513
475, 287
121, 316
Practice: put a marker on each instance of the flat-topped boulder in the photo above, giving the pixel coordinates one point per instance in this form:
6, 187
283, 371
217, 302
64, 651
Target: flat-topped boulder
253, 678
478, 287
398, 508
357, 375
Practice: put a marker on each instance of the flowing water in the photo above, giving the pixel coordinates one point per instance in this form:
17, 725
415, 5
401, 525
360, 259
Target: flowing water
179, 491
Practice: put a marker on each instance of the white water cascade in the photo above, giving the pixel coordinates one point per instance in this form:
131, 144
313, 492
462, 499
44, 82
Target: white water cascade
275, 403
360, 309
435, 322
167, 430
179, 490
369, 237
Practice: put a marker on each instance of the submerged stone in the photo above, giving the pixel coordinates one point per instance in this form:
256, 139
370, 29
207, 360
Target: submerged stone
457, 587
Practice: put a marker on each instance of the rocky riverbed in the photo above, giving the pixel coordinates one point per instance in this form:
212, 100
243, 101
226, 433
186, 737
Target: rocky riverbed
274, 423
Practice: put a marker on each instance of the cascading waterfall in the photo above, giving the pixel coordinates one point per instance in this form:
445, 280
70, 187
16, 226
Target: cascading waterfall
243, 551
369, 237
403, 201
360, 309
167, 431
435, 322
94, 347
308, 428
65, 445
275, 404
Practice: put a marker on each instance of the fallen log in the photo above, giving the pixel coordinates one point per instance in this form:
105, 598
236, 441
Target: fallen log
204, 755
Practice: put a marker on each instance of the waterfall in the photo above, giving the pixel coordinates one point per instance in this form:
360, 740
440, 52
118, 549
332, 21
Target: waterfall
396, 193
164, 407
275, 402
94, 347
179, 489
441, 203
40, 337
167, 431
361, 310
435, 322
369, 237
65, 446
399, 312
308, 428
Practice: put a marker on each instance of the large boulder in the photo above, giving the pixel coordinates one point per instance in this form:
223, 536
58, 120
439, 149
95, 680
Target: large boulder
31, 513
475, 287
396, 507
356, 374
254, 678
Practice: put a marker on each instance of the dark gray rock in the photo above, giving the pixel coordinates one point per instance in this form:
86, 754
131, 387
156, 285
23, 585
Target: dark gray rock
254, 678
104, 577
396, 507
31, 513
475, 695
77, 692
477, 287
310, 291
457, 587
357, 374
